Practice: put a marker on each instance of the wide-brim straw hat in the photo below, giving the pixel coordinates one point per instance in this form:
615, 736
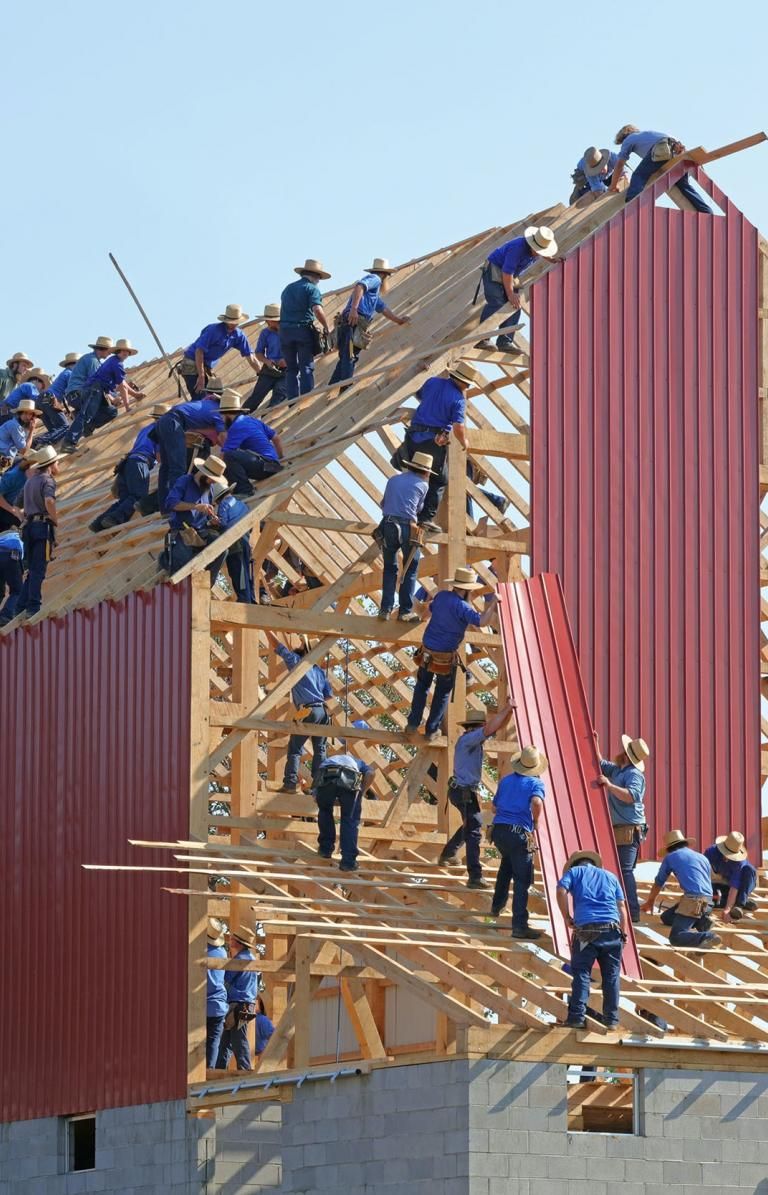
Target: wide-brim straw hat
246, 936
381, 266
234, 314
160, 408
271, 311
215, 932
214, 386
37, 375
583, 856
595, 160
27, 406
463, 578
70, 359
464, 373
103, 342
529, 762
17, 358
474, 718
212, 467
45, 456
312, 266
231, 402
125, 346
676, 838
421, 461
541, 239
219, 490
636, 751
731, 846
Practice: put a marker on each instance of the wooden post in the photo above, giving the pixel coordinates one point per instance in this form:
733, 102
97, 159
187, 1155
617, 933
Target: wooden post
455, 555
200, 656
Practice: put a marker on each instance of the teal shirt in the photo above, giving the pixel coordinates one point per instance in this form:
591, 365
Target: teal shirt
297, 301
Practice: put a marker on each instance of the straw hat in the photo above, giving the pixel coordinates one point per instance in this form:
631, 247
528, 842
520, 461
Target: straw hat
125, 346
583, 857
69, 359
421, 461
231, 402
102, 342
312, 266
219, 490
463, 578
529, 762
674, 838
45, 456
234, 314
474, 718
17, 358
37, 375
244, 935
731, 846
464, 373
636, 751
160, 408
595, 160
272, 311
381, 266
542, 240
212, 467
214, 386
215, 932
27, 405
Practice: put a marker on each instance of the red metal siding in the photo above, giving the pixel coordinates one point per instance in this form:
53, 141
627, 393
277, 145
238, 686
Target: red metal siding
552, 712
95, 745
645, 496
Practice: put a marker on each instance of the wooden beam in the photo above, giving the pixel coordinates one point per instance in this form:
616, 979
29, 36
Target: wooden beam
488, 442
199, 656
702, 156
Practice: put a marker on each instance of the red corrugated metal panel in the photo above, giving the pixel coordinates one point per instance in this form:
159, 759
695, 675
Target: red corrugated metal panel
95, 747
552, 712
645, 496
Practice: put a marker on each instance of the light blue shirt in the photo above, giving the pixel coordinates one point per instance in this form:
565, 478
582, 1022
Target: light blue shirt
216, 996
468, 757
25, 390
82, 372
597, 182
596, 894
691, 870
639, 143
404, 496
13, 438
313, 688
242, 986
631, 778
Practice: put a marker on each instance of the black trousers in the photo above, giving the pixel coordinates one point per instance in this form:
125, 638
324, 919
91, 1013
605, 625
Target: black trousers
437, 482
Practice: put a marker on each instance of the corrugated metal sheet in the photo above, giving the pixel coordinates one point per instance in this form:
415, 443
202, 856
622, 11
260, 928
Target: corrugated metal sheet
552, 712
645, 496
94, 740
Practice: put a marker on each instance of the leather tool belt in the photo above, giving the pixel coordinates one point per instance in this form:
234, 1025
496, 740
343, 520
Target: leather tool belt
693, 906
441, 663
587, 933
239, 1015
462, 794
624, 835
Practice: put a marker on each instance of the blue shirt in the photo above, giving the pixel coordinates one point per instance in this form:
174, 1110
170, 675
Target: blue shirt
145, 444
450, 616
268, 344
513, 800
25, 390
82, 372
639, 143
313, 688
596, 182
729, 869
631, 778
691, 870
297, 301
404, 496
242, 986
264, 1030
349, 761
371, 302
229, 510
441, 404
186, 489
513, 257
596, 894
215, 340
11, 541
199, 414
216, 1002
12, 482
58, 387
252, 435
13, 438
468, 757
109, 375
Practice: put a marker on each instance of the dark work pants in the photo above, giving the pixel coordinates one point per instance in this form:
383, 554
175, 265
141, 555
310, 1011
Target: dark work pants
440, 700
89, 414
645, 173
628, 856
516, 867
296, 343
687, 931
11, 580
235, 1041
397, 538
132, 488
244, 466
172, 449
348, 355
469, 833
437, 482
350, 807
240, 569
317, 715
495, 299
37, 538
606, 952
746, 886
214, 1031
190, 381
266, 383
54, 420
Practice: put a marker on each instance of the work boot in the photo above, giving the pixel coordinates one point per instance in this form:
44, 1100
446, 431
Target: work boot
569, 1024
528, 934
384, 614
478, 882
96, 526
736, 913
750, 906
486, 345
496, 912
411, 616
289, 788
430, 735
712, 941
508, 344
410, 728
324, 854
348, 867
448, 861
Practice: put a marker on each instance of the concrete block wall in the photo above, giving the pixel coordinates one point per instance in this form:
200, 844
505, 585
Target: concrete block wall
248, 1151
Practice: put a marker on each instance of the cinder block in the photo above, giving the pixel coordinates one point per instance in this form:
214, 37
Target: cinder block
564, 1166
752, 1176
745, 1151
547, 1143
488, 1165
709, 1150
507, 1141
682, 1172
477, 1141
533, 1165
604, 1169
586, 1145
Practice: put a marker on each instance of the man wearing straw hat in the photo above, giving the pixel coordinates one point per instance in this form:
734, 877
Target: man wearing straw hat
197, 417
203, 354
593, 172
217, 1003
517, 805
15, 368
734, 879
252, 450
464, 789
401, 505
624, 782
501, 274
688, 919
16, 433
85, 368
301, 303
353, 323
654, 151
269, 354
34, 384
441, 411
450, 617
242, 990
132, 473
598, 932
53, 402
94, 408
192, 516
39, 532
309, 695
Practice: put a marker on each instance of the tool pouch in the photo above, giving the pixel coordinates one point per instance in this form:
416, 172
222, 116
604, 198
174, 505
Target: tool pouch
531, 844
624, 835
665, 149
378, 535
462, 795
361, 334
441, 663
693, 906
190, 537
239, 1015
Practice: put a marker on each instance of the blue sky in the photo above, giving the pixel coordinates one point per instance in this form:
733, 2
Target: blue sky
213, 147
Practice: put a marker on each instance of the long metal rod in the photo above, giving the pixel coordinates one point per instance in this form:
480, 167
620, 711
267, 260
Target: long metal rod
143, 314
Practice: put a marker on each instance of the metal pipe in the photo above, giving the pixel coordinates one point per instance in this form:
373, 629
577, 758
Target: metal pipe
734, 1048
278, 1081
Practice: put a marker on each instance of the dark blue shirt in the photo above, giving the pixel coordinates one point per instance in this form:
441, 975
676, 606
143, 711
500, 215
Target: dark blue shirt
25, 390
216, 1002
297, 301
449, 618
371, 301
313, 688
441, 404
82, 372
230, 509
631, 778
12, 483
596, 894
268, 344
729, 869
468, 757
145, 445
109, 375
252, 435
199, 414
513, 257
242, 986
58, 387
215, 340
186, 489
404, 496
513, 800
691, 870
264, 1030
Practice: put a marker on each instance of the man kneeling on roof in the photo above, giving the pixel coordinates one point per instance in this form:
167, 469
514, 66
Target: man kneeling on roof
341, 780
599, 931
193, 520
734, 879
689, 918
251, 449
132, 472
399, 531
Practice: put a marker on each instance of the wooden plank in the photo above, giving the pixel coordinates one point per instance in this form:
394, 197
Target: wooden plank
199, 638
361, 1018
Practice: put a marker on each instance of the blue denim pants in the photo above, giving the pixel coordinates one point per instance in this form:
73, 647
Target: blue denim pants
516, 867
214, 1031
645, 172
747, 885
318, 716
348, 356
397, 538
687, 931
132, 488
606, 952
296, 343
266, 383
495, 299
235, 1041
628, 856
440, 700
37, 540
172, 449
469, 833
90, 399
350, 807
11, 580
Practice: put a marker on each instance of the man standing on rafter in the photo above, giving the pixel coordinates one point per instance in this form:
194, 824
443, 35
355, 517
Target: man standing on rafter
401, 506
309, 696
301, 303
353, 324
